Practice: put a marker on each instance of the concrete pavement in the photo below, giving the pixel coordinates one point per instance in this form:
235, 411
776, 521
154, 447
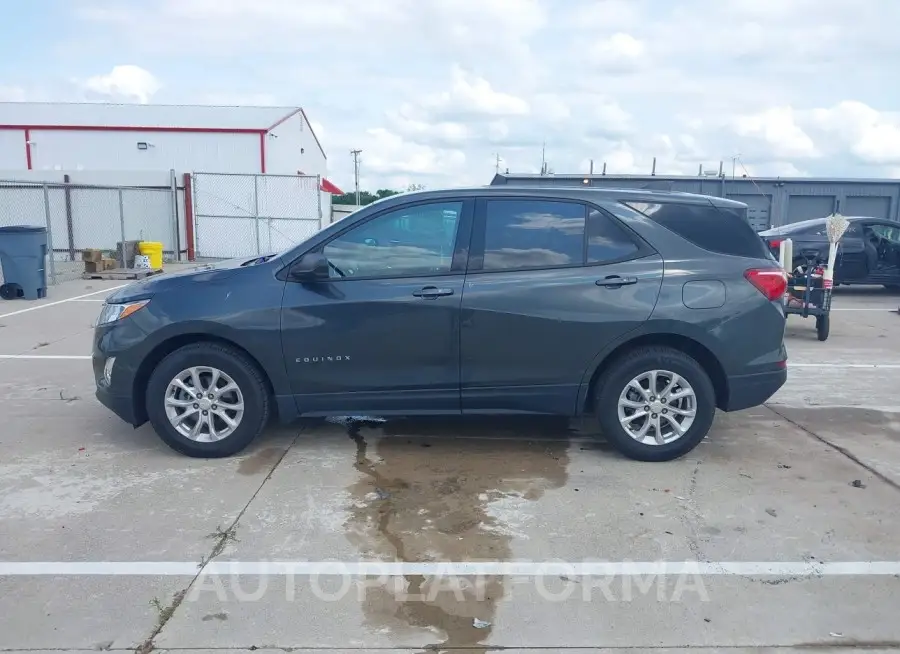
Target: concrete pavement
808, 481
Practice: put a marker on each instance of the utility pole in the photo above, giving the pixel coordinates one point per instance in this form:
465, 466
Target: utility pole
497, 166
544, 158
356, 154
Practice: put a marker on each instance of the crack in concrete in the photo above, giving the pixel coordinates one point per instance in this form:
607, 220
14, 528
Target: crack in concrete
692, 520
222, 537
842, 450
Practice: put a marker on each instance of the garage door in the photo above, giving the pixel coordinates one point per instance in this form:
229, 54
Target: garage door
867, 205
804, 207
758, 209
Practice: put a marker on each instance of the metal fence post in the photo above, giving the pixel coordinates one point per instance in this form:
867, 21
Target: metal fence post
176, 236
319, 198
195, 226
122, 228
49, 220
256, 214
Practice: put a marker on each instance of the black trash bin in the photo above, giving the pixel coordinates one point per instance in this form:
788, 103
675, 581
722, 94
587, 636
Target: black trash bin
23, 253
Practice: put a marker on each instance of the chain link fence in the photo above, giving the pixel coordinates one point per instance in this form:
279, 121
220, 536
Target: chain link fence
79, 217
244, 215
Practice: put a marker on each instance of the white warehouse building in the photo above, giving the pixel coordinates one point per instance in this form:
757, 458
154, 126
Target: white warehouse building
131, 137
140, 145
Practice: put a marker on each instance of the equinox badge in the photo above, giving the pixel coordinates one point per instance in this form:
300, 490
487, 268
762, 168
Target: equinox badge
328, 359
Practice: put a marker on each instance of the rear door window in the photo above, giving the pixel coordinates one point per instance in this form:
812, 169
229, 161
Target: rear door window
540, 234
522, 234
724, 230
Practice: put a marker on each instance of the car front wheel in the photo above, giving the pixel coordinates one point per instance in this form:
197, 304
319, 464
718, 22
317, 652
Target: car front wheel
207, 400
655, 404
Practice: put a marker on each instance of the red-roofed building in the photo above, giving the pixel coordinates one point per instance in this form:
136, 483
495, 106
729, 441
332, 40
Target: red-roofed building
132, 137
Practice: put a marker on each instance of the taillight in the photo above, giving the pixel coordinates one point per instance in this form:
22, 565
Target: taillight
775, 243
771, 282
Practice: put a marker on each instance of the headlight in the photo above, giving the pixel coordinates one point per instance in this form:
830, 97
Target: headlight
113, 312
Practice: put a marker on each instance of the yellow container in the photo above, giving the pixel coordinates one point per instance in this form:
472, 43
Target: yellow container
154, 251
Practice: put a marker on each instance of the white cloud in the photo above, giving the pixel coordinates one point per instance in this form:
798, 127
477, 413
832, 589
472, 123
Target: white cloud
432, 91
388, 154
777, 127
470, 94
618, 53
871, 135
124, 83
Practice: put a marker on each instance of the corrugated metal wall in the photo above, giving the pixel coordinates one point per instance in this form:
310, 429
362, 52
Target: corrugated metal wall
772, 201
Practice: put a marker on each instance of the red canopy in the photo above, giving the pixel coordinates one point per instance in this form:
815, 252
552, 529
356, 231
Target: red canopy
327, 186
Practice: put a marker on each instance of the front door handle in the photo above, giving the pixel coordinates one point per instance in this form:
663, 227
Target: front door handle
614, 281
432, 292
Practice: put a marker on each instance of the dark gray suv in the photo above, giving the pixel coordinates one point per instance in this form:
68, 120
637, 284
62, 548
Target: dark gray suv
648, 310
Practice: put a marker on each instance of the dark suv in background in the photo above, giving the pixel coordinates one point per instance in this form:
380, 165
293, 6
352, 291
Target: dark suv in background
648, 310
868, 253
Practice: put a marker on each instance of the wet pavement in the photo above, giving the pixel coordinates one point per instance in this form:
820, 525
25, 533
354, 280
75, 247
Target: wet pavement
779, 532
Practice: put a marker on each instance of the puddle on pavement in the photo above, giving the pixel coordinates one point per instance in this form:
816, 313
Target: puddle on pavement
259, 462
436, 492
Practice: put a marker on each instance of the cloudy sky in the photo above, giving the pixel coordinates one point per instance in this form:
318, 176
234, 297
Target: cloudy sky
433, 90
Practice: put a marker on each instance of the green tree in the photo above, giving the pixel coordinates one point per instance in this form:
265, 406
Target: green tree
365, 197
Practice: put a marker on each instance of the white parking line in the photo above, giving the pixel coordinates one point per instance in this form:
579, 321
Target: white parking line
452, 568
51, 357
889, 366
53, 304
883, 310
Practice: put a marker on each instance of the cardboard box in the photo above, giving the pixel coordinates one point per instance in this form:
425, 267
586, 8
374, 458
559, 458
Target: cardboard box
108, 263
93, 266
91, 255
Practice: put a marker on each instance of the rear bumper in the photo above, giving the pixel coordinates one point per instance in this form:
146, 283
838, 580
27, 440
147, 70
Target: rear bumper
747, 391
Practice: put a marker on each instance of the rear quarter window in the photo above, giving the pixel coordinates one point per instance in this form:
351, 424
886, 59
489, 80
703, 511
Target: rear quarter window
724, 230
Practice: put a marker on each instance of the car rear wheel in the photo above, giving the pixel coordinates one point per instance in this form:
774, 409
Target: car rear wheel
207, 400
655, 404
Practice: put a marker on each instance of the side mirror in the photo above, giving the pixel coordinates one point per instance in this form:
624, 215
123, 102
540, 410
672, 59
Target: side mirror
311, 267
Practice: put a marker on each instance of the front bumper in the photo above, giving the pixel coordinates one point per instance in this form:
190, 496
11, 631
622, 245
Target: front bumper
121, 405
747, 391
117, 393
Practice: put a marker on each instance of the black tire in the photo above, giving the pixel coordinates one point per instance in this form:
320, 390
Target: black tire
10, 291
639, 361
257, 401
823, 326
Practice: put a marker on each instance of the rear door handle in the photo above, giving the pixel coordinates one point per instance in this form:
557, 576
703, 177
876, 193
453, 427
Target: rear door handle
614, 281
432, 292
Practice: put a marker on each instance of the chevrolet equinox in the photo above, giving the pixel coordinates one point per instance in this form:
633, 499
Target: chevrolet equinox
647, 310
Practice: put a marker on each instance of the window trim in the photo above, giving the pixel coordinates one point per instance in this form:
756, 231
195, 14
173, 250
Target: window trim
479, 231
460, 247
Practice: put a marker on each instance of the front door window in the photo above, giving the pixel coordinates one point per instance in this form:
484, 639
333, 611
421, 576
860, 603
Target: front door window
412, 241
